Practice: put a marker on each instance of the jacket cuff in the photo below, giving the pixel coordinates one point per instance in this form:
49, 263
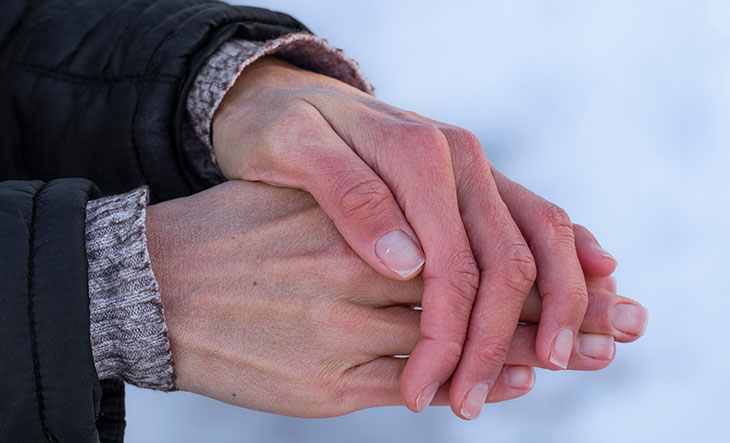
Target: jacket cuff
223, 68
128, 330
49, 390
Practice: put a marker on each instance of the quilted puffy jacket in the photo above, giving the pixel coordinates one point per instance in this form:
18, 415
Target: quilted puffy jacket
92, 99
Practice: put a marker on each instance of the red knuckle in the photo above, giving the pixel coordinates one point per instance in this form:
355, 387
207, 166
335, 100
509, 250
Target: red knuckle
492, 353
423, 138
519, 271
464, 277
557, 219
465, 145
430, 135
469, 143
363, 199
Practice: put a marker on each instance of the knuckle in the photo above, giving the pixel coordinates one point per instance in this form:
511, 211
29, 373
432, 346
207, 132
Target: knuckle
557, 219
351, 271
574, 295
337, 399
466, 146
282, 138
328, 396
492, 352
334, 320
324, 315
363, 199
431, 136
468, 154
423, 137
468, 143
519, 271
464, 277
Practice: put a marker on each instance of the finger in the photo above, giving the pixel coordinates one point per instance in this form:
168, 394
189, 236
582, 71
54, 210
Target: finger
386, 292
377, 383
513, 381
607, 283
507, 273
595, 260
590, 351
607, 313
381, 292
560, 280
414, 161
394, 330
450, 275
358, 201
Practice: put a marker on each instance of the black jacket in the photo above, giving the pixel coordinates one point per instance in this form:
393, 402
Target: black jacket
93, 91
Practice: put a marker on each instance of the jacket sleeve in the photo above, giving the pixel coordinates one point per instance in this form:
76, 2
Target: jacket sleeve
97, 89
49, 389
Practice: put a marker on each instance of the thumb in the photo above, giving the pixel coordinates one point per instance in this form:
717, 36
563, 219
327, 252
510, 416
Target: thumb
364, 210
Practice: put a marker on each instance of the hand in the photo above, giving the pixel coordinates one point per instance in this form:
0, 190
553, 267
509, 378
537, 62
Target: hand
396, 184
268, 308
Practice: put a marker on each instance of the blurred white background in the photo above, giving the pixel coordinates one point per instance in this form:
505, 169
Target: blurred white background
619, 111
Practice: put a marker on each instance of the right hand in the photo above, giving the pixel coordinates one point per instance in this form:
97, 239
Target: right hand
268, 308
402, 189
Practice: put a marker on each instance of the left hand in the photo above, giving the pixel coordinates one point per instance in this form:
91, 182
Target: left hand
259, 318
394, 182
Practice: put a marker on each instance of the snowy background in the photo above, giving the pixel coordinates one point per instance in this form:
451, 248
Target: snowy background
619, 111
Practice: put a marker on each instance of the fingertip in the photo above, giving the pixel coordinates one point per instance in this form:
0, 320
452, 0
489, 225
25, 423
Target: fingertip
425, 398
428, 367
519, 377
473, 402
607, 283
514, 382
561, 348
630, 318
554, 345
595, 261
596, 346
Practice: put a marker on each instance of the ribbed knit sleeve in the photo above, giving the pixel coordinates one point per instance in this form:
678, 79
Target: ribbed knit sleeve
222, 69
128, 330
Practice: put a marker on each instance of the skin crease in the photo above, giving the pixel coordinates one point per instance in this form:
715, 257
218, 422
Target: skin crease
375, 169
268, 308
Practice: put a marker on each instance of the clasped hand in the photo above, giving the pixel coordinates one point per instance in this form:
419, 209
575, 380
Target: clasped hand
277, 303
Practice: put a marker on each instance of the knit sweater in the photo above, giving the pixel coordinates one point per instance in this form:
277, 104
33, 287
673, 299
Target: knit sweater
128, 330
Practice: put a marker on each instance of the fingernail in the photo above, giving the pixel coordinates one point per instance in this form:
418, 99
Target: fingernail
426, 396
602, 251
596, 346
474, 401
629, 319
562, 348
399, 252
519, 377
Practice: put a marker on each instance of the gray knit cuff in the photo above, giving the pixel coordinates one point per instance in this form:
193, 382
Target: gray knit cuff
223, 68
128, 331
